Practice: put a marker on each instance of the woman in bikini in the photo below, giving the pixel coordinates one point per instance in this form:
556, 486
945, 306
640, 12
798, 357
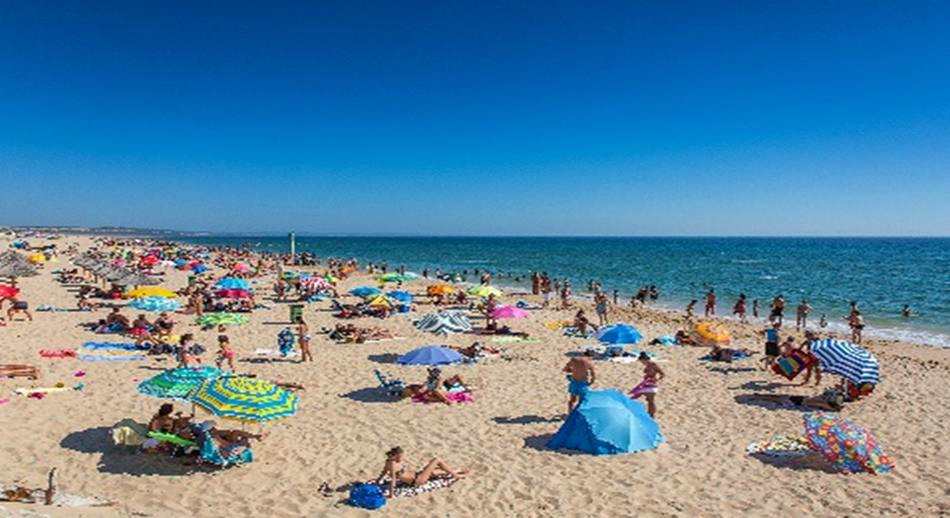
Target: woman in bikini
225, 353
652, 374
397, 473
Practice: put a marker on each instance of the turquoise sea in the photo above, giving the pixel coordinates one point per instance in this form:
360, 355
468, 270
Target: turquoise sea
882, 274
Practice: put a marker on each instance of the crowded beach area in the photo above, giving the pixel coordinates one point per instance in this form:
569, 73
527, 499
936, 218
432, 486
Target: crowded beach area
156, 378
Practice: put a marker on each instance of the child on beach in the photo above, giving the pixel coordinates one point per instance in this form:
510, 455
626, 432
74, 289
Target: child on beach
580, 376
649, 386
303, 338
772, 339
225, 353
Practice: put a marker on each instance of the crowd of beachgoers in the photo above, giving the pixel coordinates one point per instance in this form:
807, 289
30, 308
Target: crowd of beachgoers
219, 356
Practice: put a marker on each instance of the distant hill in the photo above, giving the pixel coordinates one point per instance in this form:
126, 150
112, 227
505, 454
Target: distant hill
113, 231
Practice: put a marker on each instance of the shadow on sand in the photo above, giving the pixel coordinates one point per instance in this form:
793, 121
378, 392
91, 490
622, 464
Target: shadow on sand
369, 395
385, 358
120, 460
527, 419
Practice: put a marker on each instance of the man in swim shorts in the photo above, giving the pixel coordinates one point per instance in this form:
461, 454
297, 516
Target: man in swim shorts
580, 376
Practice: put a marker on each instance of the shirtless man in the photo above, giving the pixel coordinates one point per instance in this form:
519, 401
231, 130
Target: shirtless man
778, 309
580, 376
710, 303
118, 318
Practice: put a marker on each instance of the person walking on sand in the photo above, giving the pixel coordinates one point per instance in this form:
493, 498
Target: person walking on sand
801, 315
710, 303
691, 309
303, 338
600, 305
649, 386
580, 376
739, 309
772, 339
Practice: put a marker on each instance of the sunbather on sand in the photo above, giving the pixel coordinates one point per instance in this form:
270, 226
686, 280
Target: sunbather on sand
397, 473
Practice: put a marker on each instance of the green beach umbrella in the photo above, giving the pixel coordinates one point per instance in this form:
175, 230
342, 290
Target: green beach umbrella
177, 383
213, 319
245, 399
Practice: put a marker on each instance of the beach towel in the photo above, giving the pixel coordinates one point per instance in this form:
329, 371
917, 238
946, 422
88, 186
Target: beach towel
514, 339
455, 397
665, 340
106, 358
736, 355
780, 446
403, 490
554, 325
575, 333
47, 307
58, 353
647, 386
110, 346
27, 391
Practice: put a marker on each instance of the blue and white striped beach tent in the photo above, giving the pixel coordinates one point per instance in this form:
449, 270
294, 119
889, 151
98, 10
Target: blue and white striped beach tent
846, 359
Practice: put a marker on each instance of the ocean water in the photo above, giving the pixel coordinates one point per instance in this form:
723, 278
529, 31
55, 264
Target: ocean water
882, 274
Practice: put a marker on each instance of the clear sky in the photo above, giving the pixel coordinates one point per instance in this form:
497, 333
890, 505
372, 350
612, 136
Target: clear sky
538, 118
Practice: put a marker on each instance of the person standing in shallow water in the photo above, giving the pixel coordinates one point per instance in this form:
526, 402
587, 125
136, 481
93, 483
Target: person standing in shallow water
710, 303
801, 315
739, 309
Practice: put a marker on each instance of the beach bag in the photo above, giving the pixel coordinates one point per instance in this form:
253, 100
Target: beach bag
789, 366
367, 496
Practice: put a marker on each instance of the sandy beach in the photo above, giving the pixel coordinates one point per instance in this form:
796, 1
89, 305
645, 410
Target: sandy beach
343, 427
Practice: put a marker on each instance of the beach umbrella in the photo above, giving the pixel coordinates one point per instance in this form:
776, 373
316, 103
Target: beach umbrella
7, 291
484, 291
503, 312
36, 258
149, 260
138, 279
214, 319
846, 445
151, 291
846, 359
397, 277
400, 296
245, 399
365, 291
380, 302
606, 422
155, 304
316, 284
177, 383
440, 289
444, 322
180, 263
710, 333
619, 334
199, 268
233, 294
241, 268
232, 283
17, 270
430, 355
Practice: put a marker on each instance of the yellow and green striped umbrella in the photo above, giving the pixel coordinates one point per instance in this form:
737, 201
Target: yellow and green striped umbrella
246, 399
484, 291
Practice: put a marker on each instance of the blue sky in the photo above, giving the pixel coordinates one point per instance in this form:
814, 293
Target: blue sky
611, 118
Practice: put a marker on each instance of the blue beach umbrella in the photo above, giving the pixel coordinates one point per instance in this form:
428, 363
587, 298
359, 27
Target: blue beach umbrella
430, 355
846, 359
401, 296
232, 283
606, 422
199, 268
619, 334
365, 291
